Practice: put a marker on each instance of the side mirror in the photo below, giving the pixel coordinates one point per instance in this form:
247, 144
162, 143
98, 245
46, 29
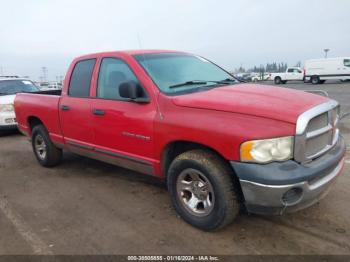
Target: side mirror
133, 91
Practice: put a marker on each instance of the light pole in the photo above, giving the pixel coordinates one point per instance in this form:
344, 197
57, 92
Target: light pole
326, 50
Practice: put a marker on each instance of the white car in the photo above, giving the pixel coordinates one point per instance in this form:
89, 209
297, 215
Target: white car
317, 71
291, 74
9, 87
258, 77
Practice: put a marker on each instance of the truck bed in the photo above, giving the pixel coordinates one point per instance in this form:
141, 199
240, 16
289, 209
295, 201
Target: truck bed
40, 106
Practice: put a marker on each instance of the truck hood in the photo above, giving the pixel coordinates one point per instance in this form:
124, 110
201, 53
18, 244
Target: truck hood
258, 100
7, 99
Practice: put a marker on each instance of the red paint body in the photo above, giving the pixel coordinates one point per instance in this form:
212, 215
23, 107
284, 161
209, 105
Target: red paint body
221, 118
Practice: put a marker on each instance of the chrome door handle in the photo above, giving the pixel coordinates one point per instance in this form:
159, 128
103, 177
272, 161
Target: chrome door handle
65, 108
98, 112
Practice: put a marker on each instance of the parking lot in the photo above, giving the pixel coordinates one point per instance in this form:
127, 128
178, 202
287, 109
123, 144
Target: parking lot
88, 207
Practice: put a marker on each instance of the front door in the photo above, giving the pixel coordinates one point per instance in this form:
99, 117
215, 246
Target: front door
294, 74
123, 129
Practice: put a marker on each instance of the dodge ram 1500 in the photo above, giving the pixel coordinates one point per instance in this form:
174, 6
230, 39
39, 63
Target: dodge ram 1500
219, 144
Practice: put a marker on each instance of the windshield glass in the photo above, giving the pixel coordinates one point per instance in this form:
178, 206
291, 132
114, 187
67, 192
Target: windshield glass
172, 69
11, 87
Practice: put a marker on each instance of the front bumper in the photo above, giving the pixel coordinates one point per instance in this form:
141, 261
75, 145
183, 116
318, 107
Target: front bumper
276, 188
8, 127
8, 121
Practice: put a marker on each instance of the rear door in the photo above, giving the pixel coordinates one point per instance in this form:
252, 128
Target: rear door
75, 107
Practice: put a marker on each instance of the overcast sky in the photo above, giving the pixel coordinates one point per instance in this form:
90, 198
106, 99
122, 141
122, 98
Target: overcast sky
50, 33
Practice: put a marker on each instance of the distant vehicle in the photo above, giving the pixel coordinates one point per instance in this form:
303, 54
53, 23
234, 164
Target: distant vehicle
263, 77
317, 71
9, 87
246, 77
55, 86
291, 74
49, 85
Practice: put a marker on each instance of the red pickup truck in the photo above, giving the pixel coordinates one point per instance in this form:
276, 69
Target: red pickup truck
219, 144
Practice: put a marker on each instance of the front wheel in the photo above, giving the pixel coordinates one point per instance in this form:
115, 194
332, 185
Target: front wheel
203, 190
47, 154
315, 80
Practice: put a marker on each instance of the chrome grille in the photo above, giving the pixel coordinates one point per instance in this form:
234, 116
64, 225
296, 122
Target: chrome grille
318, 122
316, 131
317, 144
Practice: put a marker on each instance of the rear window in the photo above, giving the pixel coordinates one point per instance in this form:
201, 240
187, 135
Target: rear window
79, 85
347, 62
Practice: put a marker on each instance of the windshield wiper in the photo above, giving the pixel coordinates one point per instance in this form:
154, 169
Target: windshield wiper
189, 83
226, 81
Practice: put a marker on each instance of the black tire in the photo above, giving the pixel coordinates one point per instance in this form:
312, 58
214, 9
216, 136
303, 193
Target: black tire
50, 155
278, 80
225, 192
315, 80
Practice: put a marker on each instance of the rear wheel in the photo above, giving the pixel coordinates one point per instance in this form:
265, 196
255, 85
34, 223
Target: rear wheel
278, 80
315, 80
47, 154
202, 190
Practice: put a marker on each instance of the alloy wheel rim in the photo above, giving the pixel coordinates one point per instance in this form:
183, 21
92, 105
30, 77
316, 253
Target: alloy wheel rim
40, 147
195, 192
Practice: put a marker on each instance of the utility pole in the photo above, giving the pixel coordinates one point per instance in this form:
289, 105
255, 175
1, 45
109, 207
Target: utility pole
44, 70
326, 50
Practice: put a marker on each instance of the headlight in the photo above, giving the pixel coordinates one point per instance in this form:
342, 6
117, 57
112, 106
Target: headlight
267, 150
6, 108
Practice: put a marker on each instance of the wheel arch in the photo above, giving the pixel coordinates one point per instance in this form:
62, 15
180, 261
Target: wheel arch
175, 148
34, 121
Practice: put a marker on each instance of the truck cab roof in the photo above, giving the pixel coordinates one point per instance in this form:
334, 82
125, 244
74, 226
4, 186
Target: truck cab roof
128, 53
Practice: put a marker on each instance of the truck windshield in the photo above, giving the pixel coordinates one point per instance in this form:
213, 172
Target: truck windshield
11, 87
188, 73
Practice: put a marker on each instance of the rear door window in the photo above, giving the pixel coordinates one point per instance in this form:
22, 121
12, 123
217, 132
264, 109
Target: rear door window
80, 81
347, 62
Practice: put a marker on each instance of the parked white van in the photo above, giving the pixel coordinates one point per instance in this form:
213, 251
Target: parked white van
317, 71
